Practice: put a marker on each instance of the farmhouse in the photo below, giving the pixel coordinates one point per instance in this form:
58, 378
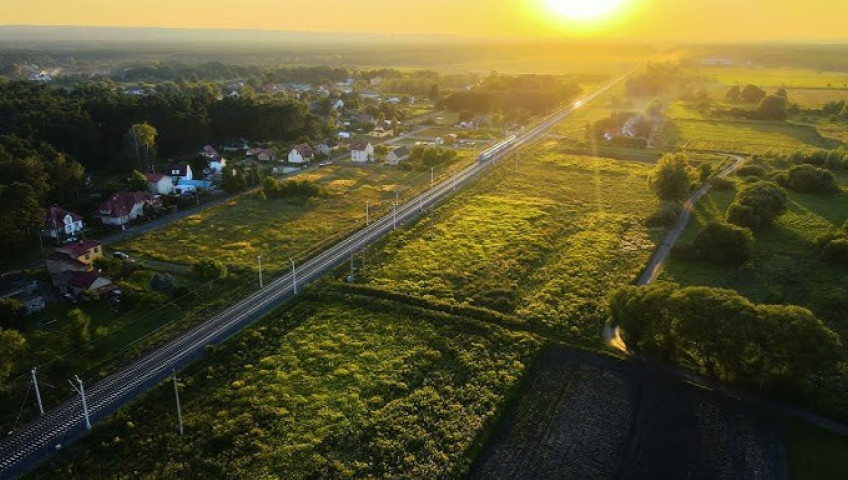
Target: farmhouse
397, 155
62, 224
124, 207
361, 152
74, 257
302, 153
179, 172
160, 184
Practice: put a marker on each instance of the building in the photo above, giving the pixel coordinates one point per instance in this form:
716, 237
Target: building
326, 147
179, 172
216, 166
267, 155
361, 152
302, 153
62, 224
369, 94
210, 153
17, 286
74, 257
83, 284
185, 187
450, 139
343, 135
397, 155
160, 184
380, 132
124, 207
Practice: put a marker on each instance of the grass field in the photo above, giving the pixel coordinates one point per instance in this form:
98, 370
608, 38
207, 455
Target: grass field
238, 231
741, 136
544, 243
326, 390
775, 77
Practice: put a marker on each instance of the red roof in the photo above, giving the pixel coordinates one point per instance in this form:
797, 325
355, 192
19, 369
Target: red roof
63, 258
360, 146
122, 203
55, 217
304, 150
80, 248
154, 177
84, 280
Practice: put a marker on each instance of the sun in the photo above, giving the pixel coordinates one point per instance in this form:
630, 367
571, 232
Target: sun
584, 10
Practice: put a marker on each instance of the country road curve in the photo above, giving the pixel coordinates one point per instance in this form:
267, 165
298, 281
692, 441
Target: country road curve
612, 334
24, 448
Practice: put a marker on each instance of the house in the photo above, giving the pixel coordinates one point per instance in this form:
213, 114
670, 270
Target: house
361, 152
253, 152
74, 257
62, 224
450, 139
191, 186
236, 146
88, 284
124, 207
380, 132
179, 172
160, 184
216, 166
344, 135
267, 155
326, 147
302, 153
439, 141
136, 91
365, 118
17, 286
337, 104
210, 153
369, 94
397, 155
376, 81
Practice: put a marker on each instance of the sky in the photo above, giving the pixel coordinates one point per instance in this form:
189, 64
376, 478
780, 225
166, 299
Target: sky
690, 20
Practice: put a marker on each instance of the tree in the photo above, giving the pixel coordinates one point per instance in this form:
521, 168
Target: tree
836, 251
772, 107
12, 346
162, 282
12, 313
752, 94
672, 178
435, 93
111, 267
705, 171
757, 205
811, 179
136, 182
734, 95
80, 327
142, 137
21, 214
723, 243
209, 269
65, 174
232, 180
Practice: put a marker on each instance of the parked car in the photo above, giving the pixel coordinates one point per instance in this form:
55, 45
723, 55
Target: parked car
121, 256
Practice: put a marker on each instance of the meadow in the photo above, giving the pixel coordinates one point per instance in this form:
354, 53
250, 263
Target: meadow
543, 242
324, 390
774, 77
744, 137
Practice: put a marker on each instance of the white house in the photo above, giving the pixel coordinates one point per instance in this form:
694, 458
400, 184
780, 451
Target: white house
62, 224
160, 184
179, 172
397, 155
337, 104
369, 94
361, 152
302, 153
217, 166
124, 207
344, 135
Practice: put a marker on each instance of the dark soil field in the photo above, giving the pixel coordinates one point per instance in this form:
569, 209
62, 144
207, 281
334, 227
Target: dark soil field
585, 417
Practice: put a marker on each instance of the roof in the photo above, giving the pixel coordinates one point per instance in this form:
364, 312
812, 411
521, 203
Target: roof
177, 170
83, 280
210, 152
56, 216
359, 146
269, 152
155, 177
122, 203
401, 152
304, 150
61, 258
79, 248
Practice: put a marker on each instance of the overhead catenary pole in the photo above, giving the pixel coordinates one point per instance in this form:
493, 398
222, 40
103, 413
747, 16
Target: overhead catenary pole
81, 390
261, 282
177, 396
453, 177
367, 213
432, 176
397, 196
294, 275
37, 392
394, 216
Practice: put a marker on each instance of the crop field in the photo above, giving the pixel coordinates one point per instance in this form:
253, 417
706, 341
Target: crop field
544, 243
786, 267
237, 232
742, 136
596, 418
775, 77
326, 390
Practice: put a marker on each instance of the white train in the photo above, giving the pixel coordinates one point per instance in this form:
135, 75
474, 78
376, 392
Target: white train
498, 148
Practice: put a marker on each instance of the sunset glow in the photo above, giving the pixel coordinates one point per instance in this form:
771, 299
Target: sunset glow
584, 10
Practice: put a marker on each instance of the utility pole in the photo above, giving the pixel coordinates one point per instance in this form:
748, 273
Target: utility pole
81, 391
367, 213
37, 392
394, 216
397, 196
432, 176
453, 177
294, 275
351, 265
261, 283
421, 202
364, 253
177, 396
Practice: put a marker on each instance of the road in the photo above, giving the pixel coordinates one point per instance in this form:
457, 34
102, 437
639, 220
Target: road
612, 335
37, 440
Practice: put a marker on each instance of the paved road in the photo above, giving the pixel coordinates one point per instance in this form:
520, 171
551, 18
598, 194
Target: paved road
612, 335
37, 440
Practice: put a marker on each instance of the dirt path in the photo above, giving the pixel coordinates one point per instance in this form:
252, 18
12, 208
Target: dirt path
612, 335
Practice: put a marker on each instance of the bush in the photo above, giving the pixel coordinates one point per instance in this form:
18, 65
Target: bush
836, 251
665, 216
811, 179
722, 184
12, 313
209, 269
751, 171
757, 205
672, 178
162, 282
111, 267
705, 171
290, 189
723, 243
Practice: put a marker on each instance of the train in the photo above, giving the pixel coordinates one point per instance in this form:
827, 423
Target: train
498, 148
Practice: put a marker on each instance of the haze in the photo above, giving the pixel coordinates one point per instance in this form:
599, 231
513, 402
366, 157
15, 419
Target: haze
695, 20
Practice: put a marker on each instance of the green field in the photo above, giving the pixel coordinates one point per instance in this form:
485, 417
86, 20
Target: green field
742, 136
775, 77
326, 390
544, 243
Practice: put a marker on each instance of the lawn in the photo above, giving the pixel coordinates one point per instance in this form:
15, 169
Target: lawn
326, 390
544, 243
238, 231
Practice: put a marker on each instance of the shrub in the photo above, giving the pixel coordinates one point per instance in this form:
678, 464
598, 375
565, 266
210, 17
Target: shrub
757, 205
722, 184
705, 171
183, 294
209, 269
162, 282
672, 178
751, 171
111, 267
665, 216
290, 189
723, 243
836, 251
833, 160
810, 179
